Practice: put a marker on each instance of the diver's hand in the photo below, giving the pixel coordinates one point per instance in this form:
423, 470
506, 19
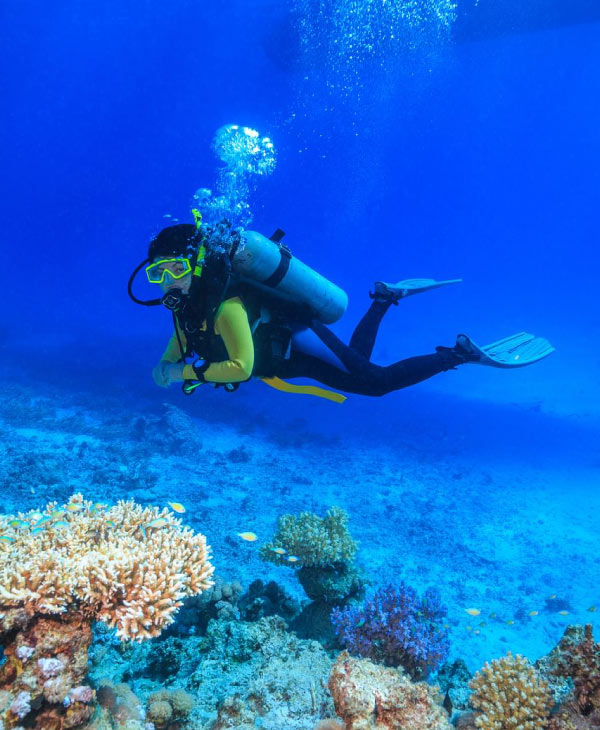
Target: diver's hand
159, 374
166, 373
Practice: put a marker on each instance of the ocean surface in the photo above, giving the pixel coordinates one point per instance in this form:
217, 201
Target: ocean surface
403, 139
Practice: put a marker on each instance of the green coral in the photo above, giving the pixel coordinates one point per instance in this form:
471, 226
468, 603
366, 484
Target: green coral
315, 541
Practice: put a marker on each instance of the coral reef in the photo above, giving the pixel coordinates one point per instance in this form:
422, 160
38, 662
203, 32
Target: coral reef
280, 681
370, 697
65, 567
576, 658
508, 693
125, 565
168, 708
42, 681
323, 550
314, 541
396, 628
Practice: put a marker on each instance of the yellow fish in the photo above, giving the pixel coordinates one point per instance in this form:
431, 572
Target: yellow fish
61, 523
17, 523
158, 522
510, 622
176, 507
58, 514
591, 609
292, 559
563, 613
473, 611
533, 613
7, 538
248, 536
74, 507
42, 521
279, 551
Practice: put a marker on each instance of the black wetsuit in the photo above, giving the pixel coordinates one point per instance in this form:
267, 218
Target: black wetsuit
355, 373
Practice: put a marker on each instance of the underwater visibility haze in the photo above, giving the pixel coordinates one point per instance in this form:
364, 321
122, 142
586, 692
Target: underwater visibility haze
343, 471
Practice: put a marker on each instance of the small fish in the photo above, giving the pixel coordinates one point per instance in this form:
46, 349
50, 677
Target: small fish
552, 596
533, 613
176, 507
482, 623
493, 615
42, 520
279, 551
37, 530
61, 523
469, 628
110, 523
473, 611
99, 505
292, 559
360, 623
248, 536
158, 522
477, 631
510, 622
36, 515
563, 613
7, 538
74, 507
58, 514
18, 523
591, 609
446, 626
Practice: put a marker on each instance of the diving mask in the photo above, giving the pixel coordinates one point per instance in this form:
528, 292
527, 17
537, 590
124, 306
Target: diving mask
176, 267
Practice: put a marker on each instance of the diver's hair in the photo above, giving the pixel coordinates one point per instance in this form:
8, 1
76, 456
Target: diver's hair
179, 240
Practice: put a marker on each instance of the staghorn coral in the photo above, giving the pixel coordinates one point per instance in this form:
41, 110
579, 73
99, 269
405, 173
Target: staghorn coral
396, 628
370, 697
508, 693
110, 564
65, 567
316, 541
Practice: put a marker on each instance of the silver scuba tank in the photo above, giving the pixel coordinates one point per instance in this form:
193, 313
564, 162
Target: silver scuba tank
272, 265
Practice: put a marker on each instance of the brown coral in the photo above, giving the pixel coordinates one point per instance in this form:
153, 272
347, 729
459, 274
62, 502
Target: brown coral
508, 693
368, 696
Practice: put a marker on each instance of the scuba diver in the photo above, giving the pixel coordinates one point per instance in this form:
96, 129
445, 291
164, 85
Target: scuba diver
244, 307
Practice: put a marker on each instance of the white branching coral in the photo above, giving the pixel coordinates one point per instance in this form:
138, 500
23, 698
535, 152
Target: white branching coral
508, 693
127, 565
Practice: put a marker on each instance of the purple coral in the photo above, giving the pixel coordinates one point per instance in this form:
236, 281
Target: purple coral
396, 628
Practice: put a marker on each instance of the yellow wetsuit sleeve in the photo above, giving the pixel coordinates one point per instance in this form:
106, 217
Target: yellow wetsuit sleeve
173, 352
231, 323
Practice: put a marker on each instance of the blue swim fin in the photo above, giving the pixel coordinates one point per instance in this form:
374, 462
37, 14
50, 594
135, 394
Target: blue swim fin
401, 289
515, 351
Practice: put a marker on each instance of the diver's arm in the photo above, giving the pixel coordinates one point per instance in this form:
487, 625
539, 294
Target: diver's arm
231, 323
166, 371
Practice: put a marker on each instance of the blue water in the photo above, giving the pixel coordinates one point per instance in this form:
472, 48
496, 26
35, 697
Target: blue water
466, 147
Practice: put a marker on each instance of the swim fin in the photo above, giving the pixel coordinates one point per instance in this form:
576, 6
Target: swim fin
401, 289
515, 351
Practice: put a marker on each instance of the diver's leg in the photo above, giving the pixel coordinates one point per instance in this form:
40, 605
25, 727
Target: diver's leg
363, 337
360, 375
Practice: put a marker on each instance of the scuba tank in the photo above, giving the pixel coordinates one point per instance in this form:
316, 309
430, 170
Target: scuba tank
269, 265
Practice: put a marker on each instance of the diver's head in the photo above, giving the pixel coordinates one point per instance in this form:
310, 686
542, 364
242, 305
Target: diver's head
172, 254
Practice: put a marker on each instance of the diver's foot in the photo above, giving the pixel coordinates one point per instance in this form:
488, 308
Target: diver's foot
515, 351
385, 292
